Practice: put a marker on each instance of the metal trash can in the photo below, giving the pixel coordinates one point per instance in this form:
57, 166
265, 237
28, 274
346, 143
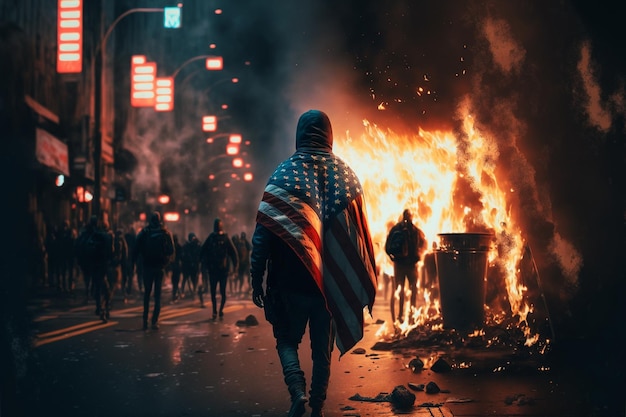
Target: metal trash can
462, 260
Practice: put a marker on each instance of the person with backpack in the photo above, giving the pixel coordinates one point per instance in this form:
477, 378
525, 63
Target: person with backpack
191, 264
155, 247
215, 254
405, 245
94, 249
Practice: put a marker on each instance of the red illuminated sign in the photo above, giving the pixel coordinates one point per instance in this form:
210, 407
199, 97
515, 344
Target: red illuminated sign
209, 124
214, 63
70, 36
164, 97
143, 76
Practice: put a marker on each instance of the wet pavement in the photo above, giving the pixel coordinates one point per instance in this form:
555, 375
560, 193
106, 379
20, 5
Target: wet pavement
194, 366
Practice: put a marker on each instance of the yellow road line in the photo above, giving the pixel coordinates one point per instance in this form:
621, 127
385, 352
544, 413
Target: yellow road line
68, 329
168, 312
83, 330
181, 312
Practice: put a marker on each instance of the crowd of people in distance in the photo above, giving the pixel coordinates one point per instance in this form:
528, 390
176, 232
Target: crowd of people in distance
95, 261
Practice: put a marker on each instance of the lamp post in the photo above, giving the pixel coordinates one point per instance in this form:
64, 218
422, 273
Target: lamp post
212, 63
99, 57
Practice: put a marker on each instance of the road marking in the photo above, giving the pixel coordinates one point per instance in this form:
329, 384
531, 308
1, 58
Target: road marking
182, 312
168, 312
45, 338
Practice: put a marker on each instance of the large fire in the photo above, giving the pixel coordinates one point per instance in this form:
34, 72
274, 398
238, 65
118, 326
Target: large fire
449, 181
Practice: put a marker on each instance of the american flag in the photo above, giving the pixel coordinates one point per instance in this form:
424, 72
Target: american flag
314, 203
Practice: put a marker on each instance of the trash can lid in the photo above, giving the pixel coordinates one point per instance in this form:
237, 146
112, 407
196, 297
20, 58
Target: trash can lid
465, 241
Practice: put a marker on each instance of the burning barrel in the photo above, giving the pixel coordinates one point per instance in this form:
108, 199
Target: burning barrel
462, 260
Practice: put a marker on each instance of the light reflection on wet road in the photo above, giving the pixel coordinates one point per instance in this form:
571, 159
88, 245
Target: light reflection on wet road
194, 366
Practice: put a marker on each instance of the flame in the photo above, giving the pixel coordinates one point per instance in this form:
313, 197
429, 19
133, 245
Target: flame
451, 183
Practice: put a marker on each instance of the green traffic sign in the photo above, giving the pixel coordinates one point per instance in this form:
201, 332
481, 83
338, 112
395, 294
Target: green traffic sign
172, 17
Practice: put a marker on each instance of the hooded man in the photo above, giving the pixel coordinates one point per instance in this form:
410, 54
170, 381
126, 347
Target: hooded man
312, 236
215, 254
155, 245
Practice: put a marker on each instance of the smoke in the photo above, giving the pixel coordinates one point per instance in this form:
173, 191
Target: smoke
531, 75
596, 110
507, 54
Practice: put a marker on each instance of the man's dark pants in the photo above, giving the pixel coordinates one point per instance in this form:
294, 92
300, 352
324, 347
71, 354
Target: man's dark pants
300, 309
152, 278
216, 277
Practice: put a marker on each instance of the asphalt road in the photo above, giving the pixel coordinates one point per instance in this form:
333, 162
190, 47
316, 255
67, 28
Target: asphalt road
194, 366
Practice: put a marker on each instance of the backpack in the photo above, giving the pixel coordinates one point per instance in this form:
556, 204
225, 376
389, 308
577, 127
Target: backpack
159, 247
90, 246
398, 245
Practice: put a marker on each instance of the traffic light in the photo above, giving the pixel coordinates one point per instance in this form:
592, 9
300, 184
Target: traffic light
164, 98
142, 75
70, 36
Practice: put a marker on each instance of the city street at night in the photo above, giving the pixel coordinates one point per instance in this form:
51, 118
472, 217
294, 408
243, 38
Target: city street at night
457, 166
194, 366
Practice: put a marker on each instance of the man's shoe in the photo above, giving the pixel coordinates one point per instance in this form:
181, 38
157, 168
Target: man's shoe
297, 406
145, 325
155, 326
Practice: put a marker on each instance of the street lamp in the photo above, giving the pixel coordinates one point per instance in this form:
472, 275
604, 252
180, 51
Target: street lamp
99, 61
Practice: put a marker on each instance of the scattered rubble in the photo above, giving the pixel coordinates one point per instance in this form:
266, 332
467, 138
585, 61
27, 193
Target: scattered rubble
402, 398
519, 399
416, 365
416, 387
250, 320
432, 388
441, 366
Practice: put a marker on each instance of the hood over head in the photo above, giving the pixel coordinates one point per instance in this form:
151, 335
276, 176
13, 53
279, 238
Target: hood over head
314, 132
155, 219
217, 225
